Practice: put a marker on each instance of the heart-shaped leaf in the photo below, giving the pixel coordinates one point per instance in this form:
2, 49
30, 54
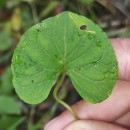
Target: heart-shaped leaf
67, 42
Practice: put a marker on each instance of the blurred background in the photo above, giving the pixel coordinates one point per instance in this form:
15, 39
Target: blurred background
17, 16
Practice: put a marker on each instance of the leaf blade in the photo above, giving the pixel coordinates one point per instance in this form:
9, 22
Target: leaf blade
65, 42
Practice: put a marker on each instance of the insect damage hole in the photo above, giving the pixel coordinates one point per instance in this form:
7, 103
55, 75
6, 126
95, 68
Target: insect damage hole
83, 27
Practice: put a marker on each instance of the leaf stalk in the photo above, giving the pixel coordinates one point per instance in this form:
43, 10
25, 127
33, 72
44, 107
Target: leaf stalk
55, 94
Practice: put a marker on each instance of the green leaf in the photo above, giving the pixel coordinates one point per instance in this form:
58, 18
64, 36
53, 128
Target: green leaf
88, 2
16, 123
6, 79
2, 3
10, 123
67, 42
5, 41
8, 105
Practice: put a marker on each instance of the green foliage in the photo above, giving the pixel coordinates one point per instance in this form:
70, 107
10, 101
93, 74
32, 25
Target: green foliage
8, 105
67, 43
6, 82
87, 2
12, 3
10, 123
126, 34
5, 41
27, 19
49, 8
5, 57
2, 3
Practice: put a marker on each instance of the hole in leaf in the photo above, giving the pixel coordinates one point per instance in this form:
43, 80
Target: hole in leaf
83, 27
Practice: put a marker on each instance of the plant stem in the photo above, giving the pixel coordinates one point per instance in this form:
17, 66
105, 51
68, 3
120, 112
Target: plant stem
34, 12
30, 120
59, 83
